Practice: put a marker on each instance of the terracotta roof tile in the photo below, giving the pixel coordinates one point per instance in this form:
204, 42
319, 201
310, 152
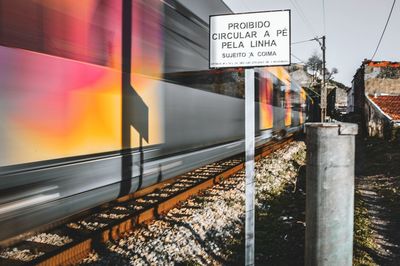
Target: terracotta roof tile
388, 104
382, 63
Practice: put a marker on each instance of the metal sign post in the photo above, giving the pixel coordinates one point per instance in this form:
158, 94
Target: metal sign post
250, 145
250, 40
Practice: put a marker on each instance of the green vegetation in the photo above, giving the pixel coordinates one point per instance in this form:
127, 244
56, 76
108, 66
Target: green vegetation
363, 234
380, 183
280, 228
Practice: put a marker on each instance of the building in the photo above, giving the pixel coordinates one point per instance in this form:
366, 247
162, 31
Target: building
336, 98
374, 98
341, 99
383, 116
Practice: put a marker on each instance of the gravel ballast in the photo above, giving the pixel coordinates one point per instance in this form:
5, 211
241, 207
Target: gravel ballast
50, 239
207, 228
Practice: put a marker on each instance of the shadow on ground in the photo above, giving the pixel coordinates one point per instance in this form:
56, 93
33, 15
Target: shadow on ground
280, 228
378, 197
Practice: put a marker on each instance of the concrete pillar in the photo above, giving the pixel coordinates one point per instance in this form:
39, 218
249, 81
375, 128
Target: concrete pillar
330, 193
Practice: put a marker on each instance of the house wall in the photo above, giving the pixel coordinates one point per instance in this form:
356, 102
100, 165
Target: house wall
359, 91
341, 99
373, 77
382, 80
378, 124
350, 99
382, 86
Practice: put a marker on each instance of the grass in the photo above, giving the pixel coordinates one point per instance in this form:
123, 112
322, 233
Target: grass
381, 175
279, 225
280, 230
363, 235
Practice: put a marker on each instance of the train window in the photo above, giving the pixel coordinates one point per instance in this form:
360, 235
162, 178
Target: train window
283, 95
186, 56
295, 99
279, 92
264, 88
56, 28
227, 82
259, 83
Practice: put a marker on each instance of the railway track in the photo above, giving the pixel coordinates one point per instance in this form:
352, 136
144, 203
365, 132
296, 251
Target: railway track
73, 241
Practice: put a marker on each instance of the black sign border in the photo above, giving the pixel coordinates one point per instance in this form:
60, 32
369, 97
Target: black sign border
242, 13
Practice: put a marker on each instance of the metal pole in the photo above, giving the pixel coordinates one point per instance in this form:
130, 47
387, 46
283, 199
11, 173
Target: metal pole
323, 87
249, 142
330, 193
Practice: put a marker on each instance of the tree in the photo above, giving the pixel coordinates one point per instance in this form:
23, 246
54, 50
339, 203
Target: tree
332, 72
314, 66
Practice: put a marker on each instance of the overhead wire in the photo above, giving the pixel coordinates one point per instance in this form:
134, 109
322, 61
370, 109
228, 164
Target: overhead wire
309, 88
303, 17
307, 23
298, 58
323, 16
384, 29
310, 40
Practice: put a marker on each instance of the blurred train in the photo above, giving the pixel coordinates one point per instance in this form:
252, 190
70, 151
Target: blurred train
99, 98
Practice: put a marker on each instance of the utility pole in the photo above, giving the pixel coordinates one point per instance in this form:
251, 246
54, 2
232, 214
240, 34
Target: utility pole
324, 92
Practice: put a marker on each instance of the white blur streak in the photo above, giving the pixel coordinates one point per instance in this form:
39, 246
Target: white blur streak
163, 168
234, 145
25, 194
13, 206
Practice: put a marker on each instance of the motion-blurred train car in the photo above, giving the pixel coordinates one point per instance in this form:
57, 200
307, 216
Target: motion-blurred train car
99, 98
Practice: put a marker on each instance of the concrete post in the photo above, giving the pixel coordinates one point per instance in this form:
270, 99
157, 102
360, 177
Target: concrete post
330, 193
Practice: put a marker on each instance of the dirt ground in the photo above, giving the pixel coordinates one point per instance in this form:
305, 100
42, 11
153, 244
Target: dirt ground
377, 241
280, 229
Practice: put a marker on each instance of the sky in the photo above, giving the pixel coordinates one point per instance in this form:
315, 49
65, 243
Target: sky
352, 29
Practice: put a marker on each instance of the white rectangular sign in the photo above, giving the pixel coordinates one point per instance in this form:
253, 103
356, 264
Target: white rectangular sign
250, 39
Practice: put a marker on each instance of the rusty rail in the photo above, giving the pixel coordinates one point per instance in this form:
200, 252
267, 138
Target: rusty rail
132, 210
